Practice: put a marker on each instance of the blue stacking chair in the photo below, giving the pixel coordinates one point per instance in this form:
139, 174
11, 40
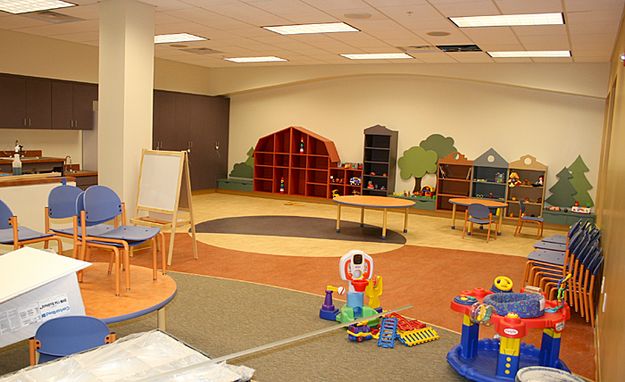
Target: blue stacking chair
11, 233
62, 205
523, 218
478, 214
63, 336
588, 290
99, 205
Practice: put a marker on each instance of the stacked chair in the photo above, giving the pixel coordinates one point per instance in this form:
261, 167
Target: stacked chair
91, 212
579, 254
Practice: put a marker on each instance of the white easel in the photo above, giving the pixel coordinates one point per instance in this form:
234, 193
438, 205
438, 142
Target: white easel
164, 190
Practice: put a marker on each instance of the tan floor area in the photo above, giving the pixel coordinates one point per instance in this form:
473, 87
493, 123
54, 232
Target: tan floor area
422, 230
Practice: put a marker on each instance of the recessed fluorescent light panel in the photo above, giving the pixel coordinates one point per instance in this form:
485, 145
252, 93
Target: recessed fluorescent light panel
176, 37
529, 53
255, 59
24, 6
509, 20
376, 56
312, 28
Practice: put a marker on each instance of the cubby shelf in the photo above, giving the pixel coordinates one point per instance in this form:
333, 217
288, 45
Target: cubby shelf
294, 161
344, 187
486, 169
454, 180
380, 157
530, 170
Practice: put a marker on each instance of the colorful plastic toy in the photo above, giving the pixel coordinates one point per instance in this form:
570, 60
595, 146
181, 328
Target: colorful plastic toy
301, 145
281, 184
474, 358
417, 337
356, 267
502, 284
354, 181
373, 291
388, 332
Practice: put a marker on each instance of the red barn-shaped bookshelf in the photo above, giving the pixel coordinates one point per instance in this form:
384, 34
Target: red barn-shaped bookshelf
294, 161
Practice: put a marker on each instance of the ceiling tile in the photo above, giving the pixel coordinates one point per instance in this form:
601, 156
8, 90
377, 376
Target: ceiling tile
491, 35
549, 42
529, 6
585, 5
465, 8
471, 57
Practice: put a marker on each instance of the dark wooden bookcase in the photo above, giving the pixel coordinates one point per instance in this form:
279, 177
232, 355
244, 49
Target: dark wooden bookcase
295, 161
454, 180
380, 160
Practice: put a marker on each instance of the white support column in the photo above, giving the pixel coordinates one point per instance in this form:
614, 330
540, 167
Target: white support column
126, 82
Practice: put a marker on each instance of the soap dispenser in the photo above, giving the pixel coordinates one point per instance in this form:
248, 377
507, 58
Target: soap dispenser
17, 164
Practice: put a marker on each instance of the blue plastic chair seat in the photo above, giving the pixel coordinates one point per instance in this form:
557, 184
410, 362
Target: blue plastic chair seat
130, 233
550, 246
545, 256
93, 230
23, 234
532, 218
118, 245
479, 221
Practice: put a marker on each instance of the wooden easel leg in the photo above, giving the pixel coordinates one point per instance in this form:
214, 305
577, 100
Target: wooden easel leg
161, 240
170, 253
195, 255
154, 266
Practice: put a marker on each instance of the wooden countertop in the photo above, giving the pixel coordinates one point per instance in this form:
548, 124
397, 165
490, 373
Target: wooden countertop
30, 179
81, 173
33, 160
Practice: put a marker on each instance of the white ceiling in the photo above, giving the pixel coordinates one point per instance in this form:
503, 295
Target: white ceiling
233, 28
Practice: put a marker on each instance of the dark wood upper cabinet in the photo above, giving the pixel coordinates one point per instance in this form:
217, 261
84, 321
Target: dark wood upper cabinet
72, 105
38, 103
62, 109
13, 101
83, 96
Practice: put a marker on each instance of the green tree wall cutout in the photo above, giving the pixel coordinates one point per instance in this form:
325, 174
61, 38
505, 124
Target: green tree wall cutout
415, 163
420, 160
562, 192
578, 169
443, 146
244, 169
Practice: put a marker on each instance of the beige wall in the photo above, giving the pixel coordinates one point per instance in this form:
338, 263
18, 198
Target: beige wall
58, 143
582, 79
515, 121
611, 328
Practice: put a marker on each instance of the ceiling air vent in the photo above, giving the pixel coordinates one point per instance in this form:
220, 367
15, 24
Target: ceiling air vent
415, 49
459, 48
52, 17
201, 51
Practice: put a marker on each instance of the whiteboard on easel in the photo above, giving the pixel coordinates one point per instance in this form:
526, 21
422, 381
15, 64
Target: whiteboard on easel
160, 180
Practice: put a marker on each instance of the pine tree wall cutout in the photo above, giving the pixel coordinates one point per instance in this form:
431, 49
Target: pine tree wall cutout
244, 169
562, 192
578, 169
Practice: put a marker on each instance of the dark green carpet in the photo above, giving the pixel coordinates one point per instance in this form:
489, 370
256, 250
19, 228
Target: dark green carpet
300, 226
221, 317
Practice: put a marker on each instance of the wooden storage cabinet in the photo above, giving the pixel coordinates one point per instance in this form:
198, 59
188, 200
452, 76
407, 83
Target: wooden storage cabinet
72, 105
453, 180
490, 175
294, 161
379, 160
529, 171
199, 125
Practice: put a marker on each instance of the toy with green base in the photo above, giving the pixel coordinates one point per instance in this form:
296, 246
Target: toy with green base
526, 181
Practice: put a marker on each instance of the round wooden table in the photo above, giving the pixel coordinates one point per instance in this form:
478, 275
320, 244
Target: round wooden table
465, 202
373, 202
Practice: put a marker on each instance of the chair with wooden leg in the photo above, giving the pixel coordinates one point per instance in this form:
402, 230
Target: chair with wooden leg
478, 214
99, 205
523, 218
11, 233
63, 336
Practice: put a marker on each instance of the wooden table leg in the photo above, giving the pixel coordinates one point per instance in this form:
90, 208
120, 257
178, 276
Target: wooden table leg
453, 216
500, 222
338, 218
362, 216
161, 321
384, 221
406, 220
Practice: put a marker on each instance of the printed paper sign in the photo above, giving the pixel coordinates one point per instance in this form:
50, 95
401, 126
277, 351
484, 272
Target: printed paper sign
29, 315
53, 307
9, 321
